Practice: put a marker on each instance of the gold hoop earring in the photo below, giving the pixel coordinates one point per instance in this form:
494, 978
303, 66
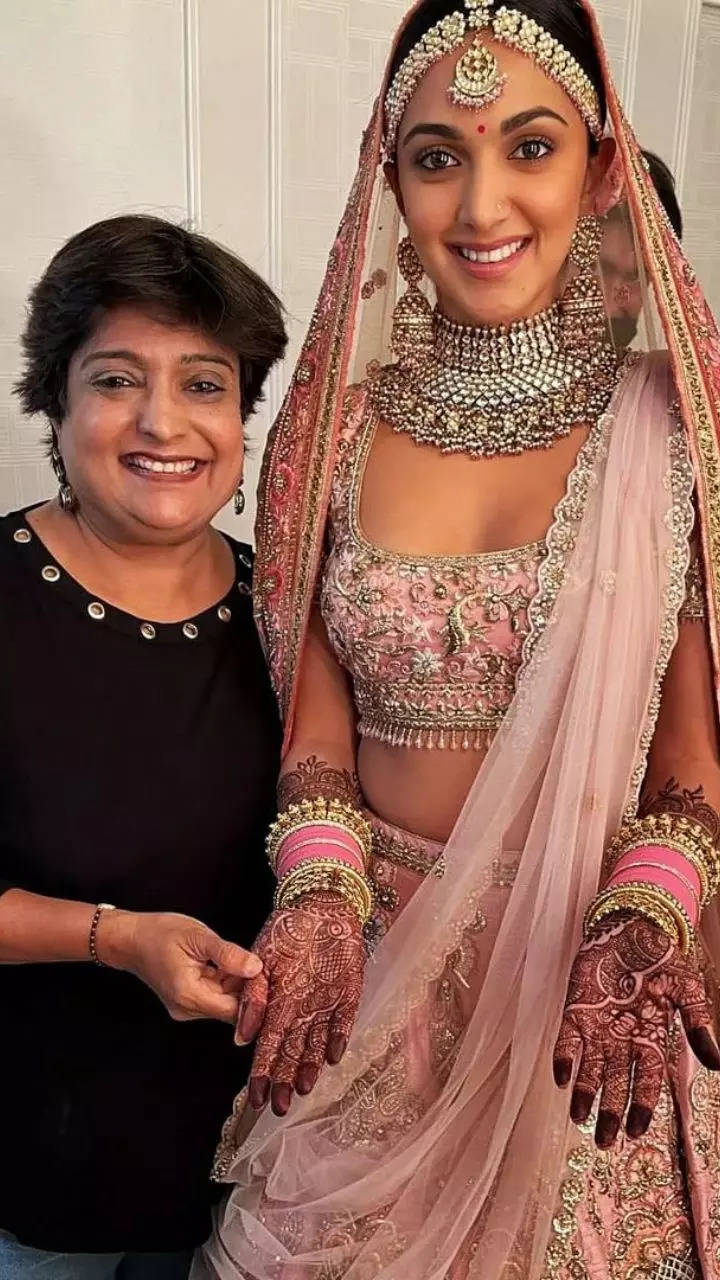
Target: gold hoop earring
412, 328
582, 304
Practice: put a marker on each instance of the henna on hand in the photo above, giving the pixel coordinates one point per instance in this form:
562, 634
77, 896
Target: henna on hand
312, 778
684, 802
305, 1001
625, 986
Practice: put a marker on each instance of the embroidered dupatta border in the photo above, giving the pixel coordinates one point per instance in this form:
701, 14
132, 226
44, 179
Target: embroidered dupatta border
692, 336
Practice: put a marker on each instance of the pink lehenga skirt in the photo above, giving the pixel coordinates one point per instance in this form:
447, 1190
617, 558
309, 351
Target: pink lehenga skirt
648, 1209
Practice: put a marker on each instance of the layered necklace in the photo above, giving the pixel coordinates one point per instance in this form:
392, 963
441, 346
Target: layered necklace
497, 391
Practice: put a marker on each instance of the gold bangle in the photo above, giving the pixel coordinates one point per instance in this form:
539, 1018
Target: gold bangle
611, 907
330, 871
329, 875
644, 893
646, 899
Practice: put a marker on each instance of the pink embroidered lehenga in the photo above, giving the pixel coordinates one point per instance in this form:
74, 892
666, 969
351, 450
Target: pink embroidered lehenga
440, 1148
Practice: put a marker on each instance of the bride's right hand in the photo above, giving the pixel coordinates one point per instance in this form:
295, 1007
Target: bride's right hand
304, 1003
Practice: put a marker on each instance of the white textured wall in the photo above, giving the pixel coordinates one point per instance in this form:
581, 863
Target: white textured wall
243, 117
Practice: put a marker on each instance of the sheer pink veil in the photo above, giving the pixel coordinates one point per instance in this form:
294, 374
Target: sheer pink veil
392, 1169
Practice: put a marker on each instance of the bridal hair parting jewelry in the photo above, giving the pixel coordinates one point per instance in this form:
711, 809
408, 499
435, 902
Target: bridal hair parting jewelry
478, 81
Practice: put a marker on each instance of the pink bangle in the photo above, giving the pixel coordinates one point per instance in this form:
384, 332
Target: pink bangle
319, 840
667, 869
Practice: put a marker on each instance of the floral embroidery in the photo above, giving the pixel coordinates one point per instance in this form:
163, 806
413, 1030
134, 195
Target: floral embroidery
433, 642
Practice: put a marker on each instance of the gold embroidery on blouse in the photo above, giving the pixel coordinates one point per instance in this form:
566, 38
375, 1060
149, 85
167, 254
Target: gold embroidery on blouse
416, 631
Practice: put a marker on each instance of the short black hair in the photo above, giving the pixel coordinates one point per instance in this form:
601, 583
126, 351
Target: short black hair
566, 20
178, 276
664, 184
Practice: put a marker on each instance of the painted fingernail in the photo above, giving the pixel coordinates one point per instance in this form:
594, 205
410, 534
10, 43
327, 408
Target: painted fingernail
704, 1047
607, 1128
638, 1121
337, 1045
258, 1092
281, 1097
306, 1079
562, 1072
581, 1106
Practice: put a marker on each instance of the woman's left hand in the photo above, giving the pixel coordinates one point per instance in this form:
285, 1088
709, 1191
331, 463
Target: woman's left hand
304, 1003
626, 984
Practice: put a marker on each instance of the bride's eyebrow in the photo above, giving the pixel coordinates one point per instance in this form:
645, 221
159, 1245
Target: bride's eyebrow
435, 130
526, 117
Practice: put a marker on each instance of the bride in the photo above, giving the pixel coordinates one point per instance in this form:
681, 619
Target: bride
488, 574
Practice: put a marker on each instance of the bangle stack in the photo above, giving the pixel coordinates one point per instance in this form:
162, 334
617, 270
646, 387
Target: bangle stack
664, 867
322, 845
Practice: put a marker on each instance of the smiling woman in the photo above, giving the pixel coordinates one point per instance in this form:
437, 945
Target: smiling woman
139, 748
474, 542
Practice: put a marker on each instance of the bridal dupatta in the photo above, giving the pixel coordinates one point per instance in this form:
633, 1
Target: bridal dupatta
394, 1168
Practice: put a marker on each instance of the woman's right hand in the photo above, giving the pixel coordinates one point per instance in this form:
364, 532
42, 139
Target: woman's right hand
304, 1003
189, 967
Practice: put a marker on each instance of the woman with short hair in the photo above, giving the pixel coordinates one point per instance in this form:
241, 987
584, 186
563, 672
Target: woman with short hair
139, 747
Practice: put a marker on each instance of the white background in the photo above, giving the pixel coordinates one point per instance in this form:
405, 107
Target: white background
243, 118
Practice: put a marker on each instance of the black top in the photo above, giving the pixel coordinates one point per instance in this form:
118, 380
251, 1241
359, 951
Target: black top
137, 766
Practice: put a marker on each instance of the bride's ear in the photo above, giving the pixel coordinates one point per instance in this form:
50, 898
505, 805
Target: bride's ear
605, 182
393, 181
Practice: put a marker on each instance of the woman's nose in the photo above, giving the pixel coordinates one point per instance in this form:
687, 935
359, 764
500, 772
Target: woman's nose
484, 203
160, 416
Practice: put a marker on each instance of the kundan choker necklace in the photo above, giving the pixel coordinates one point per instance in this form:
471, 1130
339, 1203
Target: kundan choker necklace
497, 391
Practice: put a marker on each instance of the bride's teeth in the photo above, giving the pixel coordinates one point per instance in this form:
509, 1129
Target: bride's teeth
492, 255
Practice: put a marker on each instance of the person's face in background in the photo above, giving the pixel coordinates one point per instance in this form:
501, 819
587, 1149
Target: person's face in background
620, 278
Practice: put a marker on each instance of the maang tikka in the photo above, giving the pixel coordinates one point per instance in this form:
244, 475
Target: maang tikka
478, 80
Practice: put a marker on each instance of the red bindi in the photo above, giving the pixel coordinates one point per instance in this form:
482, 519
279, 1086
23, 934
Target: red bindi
482, 128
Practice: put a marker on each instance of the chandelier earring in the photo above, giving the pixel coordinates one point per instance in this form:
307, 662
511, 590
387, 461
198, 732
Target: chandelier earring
582, 303
66, 494
412, 329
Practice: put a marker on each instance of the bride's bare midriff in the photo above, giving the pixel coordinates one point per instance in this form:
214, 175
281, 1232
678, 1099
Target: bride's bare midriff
415, 500
422, 791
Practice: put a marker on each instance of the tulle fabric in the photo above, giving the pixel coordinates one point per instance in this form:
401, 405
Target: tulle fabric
475, 1144
437, 1149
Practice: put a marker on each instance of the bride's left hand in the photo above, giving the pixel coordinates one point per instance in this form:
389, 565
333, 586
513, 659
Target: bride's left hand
626, 984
